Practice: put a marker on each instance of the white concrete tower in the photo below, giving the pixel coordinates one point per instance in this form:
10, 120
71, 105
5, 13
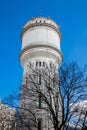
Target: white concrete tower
40, 43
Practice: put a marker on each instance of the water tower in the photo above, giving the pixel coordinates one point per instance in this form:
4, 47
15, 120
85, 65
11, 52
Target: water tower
40, 46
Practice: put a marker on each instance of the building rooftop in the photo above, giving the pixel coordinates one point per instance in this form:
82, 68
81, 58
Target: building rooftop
41, 20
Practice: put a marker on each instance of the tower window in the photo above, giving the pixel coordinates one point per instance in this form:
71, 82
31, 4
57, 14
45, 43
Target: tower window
39, 79
39, 63
36, 64
43, 63
39, 124
40, 102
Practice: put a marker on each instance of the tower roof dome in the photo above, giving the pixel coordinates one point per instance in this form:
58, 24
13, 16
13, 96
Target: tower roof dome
41, 20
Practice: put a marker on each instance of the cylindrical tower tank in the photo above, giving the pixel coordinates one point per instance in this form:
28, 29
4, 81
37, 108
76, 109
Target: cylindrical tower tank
41, 42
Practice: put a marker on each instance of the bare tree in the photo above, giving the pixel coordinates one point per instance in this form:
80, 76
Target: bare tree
46, 92
80, 114
73, 84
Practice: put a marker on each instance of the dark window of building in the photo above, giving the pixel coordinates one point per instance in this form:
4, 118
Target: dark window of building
40, 102
39, 124
39, 79
36, 64
43, 63
39, 63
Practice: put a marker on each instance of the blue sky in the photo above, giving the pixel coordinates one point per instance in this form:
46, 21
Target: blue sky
71, 15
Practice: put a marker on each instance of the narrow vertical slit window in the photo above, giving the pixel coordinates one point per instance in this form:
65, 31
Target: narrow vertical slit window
39, 63
36, 64
40, 102
39, 124
43, 63
39, 79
